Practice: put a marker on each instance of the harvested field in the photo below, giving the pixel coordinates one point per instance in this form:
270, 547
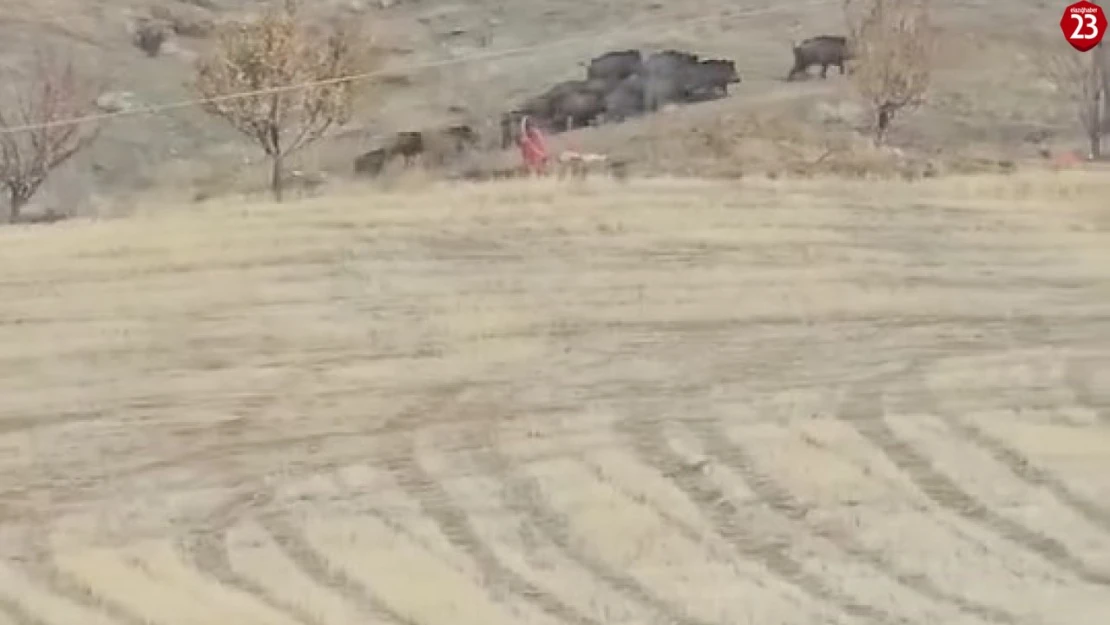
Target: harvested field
665, 401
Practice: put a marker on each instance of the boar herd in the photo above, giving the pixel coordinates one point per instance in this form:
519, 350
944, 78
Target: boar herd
623, 84
618, 85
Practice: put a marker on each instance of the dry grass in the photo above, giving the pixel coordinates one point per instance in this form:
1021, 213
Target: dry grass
756, 402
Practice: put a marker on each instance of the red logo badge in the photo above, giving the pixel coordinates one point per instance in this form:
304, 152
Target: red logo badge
1083, 25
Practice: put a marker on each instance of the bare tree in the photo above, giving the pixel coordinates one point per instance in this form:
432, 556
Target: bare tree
297, 78
1102, 55
1078, 78
1102, 59
892, 43
36, 133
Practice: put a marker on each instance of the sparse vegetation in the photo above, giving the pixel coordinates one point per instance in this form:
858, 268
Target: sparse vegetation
31, 110
295, 75
892, 41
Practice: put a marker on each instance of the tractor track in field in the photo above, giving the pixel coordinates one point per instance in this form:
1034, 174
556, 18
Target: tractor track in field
864, 412
301, 552
522, 494
733, 455
652, 448
1017, 463
437, 504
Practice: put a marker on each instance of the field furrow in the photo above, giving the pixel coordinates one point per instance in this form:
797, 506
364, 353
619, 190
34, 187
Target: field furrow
257, 559
1060, 455
883, 505
853, 578
522, 493
979, 424
153, 579
624, 535
40, 563
412, 582
520, 538
311, 563
207, 552
438, 504
739, 449
728, 519
28, 598
1026, 509
864, 411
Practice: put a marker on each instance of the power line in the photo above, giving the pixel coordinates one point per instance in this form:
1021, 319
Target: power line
487, 56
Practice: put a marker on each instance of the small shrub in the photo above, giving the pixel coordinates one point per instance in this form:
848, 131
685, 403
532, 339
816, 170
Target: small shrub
893, 44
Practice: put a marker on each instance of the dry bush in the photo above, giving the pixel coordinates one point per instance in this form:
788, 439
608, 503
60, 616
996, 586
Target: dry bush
36, 141
1078, 79
297, 78
893, 45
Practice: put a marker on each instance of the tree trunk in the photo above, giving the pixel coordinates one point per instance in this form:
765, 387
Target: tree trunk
275, 149
16, 202
882, 124
1093, 115
277, 179
1105, 125
1094, 129
1101, 57
1104, 86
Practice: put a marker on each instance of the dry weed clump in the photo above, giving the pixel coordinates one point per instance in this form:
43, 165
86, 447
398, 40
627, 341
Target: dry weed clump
281, 82
893, 43
31, 108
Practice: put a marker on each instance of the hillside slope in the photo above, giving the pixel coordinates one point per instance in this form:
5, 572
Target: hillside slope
987, 96
670, 401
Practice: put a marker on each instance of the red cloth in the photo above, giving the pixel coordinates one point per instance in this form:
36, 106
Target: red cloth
533, 147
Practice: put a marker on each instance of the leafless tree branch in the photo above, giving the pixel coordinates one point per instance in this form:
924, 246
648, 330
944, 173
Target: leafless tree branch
53, 90
893, 44
1079, 80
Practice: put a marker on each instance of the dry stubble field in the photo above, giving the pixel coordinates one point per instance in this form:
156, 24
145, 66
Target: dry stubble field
666, 402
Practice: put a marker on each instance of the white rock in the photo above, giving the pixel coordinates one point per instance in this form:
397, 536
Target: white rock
117, 101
